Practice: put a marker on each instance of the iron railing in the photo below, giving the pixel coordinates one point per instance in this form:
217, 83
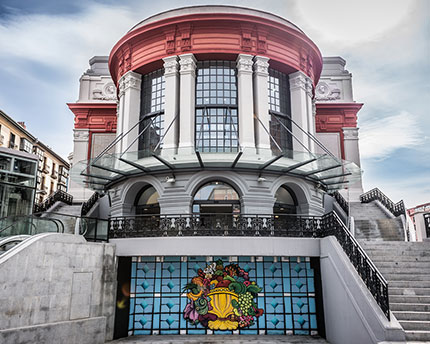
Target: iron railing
257, 225
375, 194
86, 206
369, 273
215, 225
57, 196
341, 201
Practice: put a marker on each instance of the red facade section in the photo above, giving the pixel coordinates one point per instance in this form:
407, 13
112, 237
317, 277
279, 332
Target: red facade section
142, 49
98, 117
332, 117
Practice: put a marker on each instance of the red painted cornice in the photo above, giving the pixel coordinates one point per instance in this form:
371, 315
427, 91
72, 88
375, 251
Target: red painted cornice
332, 117
94, 116
143, 48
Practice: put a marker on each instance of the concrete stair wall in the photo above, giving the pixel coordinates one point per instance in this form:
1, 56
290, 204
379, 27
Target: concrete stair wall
406, 266
373, 223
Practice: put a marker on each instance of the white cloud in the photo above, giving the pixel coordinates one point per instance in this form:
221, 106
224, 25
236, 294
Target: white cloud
380, 137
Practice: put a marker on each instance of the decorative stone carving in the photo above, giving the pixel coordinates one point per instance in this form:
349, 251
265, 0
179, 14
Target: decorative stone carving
81, 135
129, 80
171, 65
171, 41
309, 87
185, 37
188, 64
244, 63
300, 80
350, 133
261, 65
108, 92
323, 92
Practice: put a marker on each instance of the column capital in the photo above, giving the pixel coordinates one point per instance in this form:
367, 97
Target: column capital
188, 64
299, 80
171, 65
81, 135
350, 133
244, 63
261, 65
129, 80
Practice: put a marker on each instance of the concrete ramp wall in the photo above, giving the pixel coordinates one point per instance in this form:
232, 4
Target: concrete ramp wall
57, 288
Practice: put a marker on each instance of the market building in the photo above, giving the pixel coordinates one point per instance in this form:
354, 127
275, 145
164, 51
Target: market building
216, 163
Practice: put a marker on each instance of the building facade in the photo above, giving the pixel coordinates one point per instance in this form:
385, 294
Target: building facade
420, 217
52, 171
217, 133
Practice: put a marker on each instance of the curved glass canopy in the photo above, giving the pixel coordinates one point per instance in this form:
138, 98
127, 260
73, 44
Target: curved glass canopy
108, 169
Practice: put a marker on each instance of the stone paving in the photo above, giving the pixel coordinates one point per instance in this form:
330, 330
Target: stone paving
220, 339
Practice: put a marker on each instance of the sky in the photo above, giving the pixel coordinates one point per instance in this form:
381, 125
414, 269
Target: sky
45, 46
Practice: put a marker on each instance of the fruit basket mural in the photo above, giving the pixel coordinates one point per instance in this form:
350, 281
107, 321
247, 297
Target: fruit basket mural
222, 298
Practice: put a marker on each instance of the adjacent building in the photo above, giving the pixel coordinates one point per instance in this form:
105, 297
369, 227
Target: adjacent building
52, 169
420, 216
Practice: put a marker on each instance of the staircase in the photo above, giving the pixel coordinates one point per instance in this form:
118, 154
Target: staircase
67, 214
406, 266
372, 223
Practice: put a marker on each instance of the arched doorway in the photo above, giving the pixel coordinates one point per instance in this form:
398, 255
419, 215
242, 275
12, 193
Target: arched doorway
216, 197
147, 201
286, 201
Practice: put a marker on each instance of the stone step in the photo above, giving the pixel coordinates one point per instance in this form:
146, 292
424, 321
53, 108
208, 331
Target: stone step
396, 252
403, 265
405, 277
409, 291
408, 271
395, 245
399, 259
414, 324
410, 298
418, 335
222, 339
410, 307
409, 284
409, 315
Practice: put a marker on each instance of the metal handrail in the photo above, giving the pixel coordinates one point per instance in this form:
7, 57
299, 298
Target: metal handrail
375, 194
343, 203
57, 196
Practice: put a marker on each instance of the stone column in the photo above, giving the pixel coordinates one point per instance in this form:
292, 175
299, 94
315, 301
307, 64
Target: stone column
245, 102
261, 103
352, 153
310, 113
299, 109
187, 98
171, 102
129, 108
80, 153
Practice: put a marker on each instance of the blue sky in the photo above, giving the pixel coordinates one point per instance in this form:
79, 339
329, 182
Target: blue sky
45, 47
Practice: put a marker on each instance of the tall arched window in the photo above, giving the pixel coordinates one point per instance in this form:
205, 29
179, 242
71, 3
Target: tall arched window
152, 111
216, 197
147, 201
217, 127
286, 202
280, 110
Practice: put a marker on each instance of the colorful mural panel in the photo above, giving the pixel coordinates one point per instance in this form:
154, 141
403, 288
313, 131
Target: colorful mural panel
223, 295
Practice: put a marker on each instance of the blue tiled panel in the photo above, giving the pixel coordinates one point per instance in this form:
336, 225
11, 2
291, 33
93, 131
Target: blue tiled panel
157, 302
